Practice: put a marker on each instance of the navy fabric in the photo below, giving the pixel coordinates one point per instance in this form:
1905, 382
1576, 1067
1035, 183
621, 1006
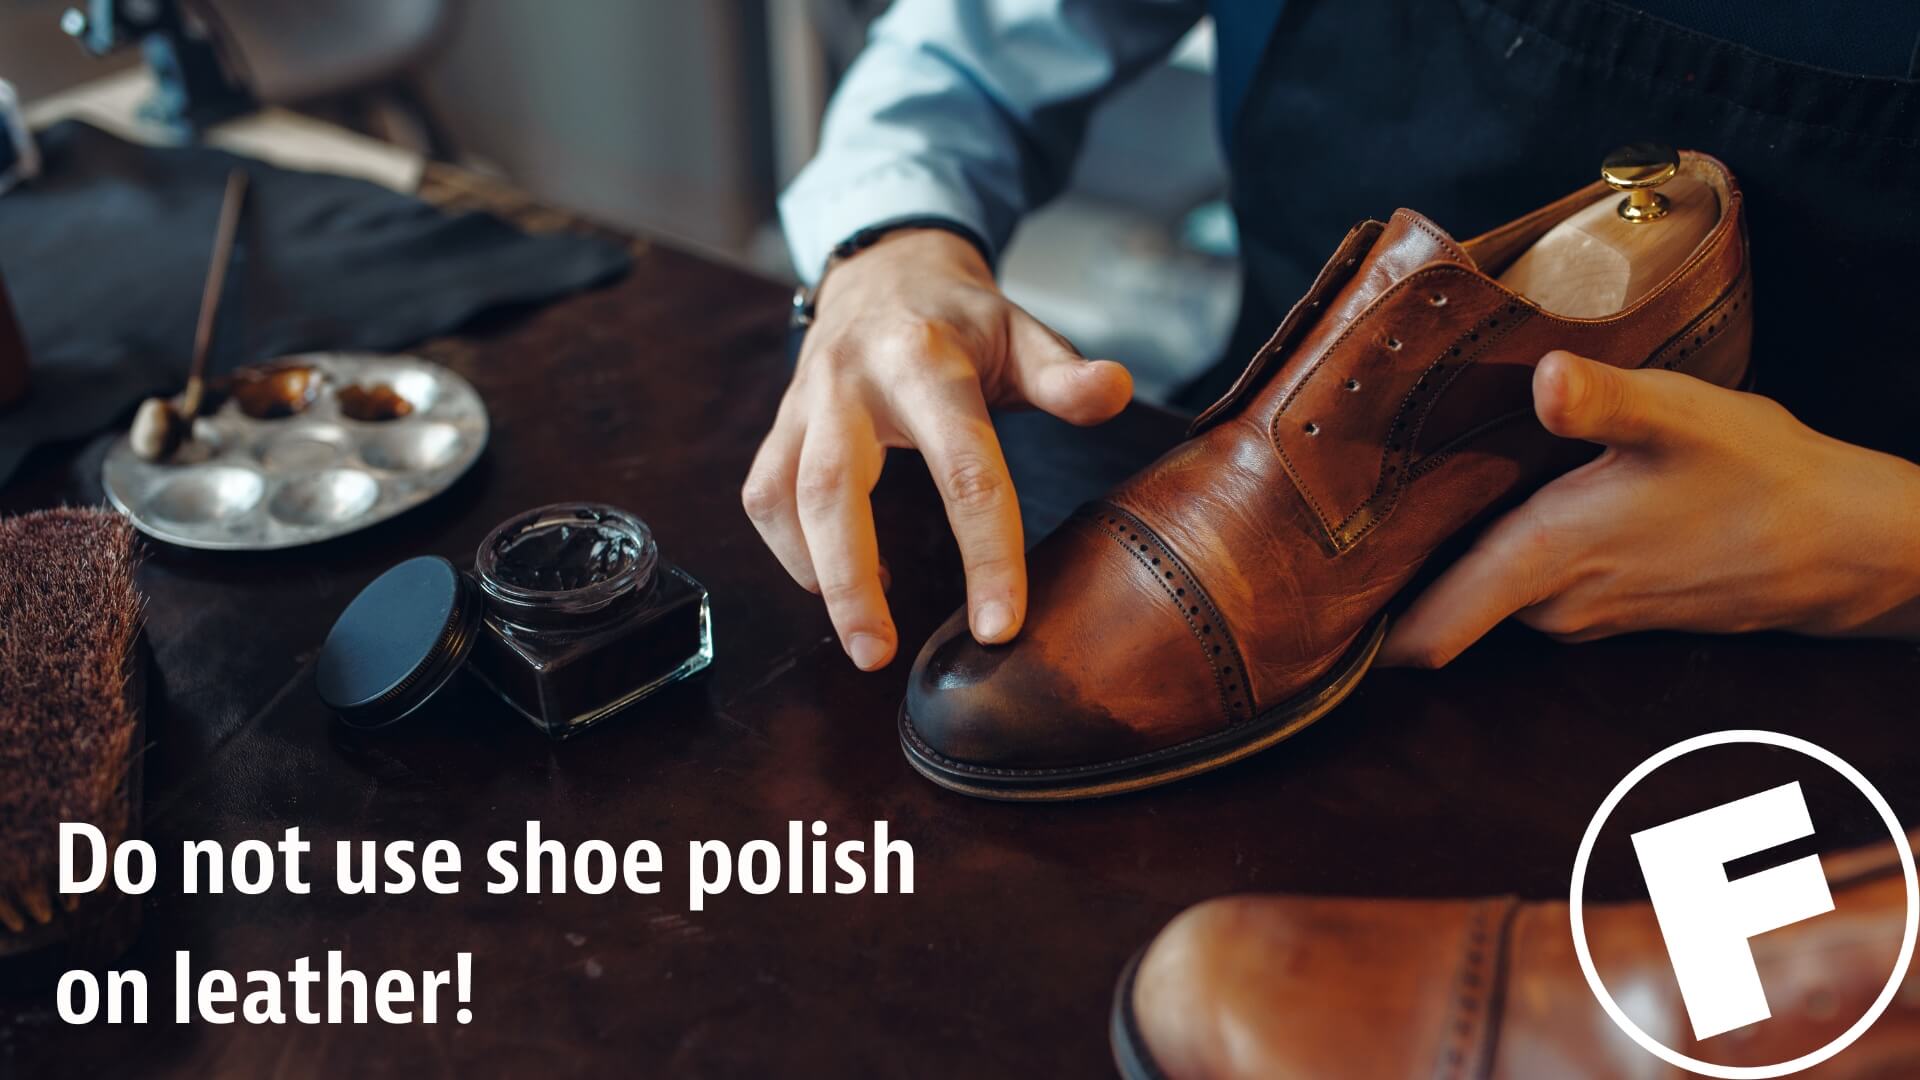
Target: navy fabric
1864, 37
1241, 29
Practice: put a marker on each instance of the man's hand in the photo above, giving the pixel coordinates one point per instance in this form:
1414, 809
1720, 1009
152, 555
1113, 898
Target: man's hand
1710, 510
912, 342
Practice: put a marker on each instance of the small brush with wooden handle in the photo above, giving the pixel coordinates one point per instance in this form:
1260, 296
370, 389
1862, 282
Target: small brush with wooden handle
159, 426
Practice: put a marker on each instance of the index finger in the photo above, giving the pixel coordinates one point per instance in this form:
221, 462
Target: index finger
839, 464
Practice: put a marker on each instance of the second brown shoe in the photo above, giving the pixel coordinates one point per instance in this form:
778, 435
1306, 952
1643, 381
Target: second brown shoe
1237, 589
1294, 986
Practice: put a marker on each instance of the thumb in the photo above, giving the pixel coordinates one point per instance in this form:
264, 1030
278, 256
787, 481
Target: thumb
1053, 377
1578, 398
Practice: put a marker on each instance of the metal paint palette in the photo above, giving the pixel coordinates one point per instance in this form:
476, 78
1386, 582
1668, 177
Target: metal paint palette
247, 484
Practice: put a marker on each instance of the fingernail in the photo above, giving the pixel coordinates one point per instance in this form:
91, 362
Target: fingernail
867, 651
993, 620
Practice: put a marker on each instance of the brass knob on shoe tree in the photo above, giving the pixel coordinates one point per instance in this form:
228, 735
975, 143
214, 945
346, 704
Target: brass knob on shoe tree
1637, 169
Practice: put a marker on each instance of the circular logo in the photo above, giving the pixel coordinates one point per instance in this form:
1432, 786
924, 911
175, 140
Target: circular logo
1654, 1046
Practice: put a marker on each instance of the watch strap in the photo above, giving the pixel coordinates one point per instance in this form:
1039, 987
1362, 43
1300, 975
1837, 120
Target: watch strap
804, 296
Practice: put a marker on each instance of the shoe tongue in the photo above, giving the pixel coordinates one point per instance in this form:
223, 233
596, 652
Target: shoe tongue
1408, 242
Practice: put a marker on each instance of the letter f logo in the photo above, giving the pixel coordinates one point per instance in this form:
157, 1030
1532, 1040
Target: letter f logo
1707, 920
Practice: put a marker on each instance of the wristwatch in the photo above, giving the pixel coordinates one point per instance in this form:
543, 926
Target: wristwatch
803, 297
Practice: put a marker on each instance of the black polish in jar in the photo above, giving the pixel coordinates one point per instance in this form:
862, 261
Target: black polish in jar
583, 617
569, 615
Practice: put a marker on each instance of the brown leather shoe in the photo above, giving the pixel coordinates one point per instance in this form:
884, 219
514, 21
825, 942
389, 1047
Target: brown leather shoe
1282, 986
1236, 590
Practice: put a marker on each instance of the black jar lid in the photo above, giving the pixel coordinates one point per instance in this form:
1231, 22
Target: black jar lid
398, 642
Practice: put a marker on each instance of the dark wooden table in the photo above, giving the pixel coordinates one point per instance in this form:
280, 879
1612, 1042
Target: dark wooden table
653, 394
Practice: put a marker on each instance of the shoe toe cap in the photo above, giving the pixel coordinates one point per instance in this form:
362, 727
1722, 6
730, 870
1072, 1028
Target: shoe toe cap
1006, 706
1107, 667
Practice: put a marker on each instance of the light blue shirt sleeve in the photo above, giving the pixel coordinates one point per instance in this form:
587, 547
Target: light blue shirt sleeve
971, 110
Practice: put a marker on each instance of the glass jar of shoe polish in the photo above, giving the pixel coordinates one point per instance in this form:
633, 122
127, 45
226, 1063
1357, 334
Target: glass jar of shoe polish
569, 615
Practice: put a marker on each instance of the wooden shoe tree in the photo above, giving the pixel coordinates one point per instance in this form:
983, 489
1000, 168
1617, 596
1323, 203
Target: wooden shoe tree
1606, 256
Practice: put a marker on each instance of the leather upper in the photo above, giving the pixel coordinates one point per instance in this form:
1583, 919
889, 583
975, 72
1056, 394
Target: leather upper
1390, 411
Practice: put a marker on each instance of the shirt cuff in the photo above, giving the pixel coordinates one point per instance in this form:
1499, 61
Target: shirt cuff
817, 212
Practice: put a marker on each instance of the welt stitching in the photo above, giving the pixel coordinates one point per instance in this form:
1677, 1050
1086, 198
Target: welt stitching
1232, 647
920, 744
912, 735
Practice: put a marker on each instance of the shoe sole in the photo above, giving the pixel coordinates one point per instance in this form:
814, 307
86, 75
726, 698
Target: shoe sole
1130, 1054
1162, 766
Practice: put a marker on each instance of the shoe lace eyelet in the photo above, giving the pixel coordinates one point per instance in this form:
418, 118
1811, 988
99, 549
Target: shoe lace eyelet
1393, 343
1438, 299
1353, 385
1312, 428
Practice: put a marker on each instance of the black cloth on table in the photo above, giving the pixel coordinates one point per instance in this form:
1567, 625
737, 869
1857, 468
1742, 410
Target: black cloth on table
105, 254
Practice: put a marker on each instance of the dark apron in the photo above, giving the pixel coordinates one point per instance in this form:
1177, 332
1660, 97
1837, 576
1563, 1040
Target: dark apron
1476, 111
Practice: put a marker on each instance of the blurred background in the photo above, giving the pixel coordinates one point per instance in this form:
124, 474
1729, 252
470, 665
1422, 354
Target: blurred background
684, 120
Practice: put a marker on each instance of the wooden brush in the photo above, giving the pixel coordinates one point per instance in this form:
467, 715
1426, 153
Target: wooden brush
71, 690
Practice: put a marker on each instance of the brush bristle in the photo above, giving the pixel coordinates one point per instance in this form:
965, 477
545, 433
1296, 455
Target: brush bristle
69, 618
